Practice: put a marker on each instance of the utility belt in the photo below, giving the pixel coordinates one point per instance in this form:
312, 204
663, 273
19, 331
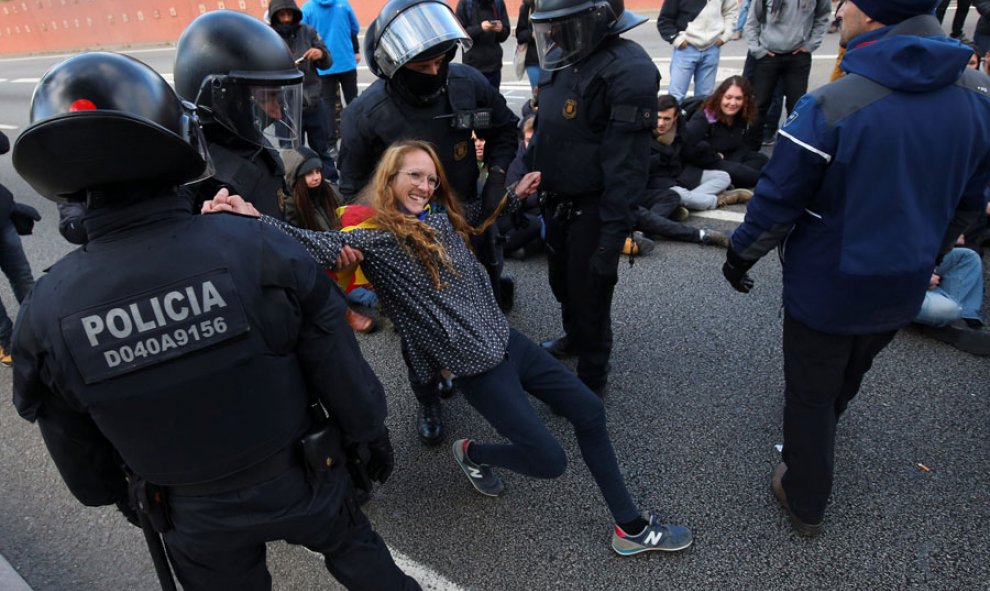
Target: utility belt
318, 451
561, 208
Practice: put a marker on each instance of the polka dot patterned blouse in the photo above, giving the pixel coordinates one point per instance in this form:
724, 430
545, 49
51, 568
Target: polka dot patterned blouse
459, 327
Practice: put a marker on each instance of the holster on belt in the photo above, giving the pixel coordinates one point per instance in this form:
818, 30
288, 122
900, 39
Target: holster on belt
320, 447
151, 501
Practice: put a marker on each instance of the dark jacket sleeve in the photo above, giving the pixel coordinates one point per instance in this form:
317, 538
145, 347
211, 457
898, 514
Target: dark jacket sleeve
335, 370
316, 41
358, 157
89, 465
506, 23
524, 29
4, 143
472, 27
695, 129
667, 21
625, 146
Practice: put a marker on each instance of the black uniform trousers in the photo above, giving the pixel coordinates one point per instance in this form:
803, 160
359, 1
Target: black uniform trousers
218, 541
585, 299
792, 70
822, 373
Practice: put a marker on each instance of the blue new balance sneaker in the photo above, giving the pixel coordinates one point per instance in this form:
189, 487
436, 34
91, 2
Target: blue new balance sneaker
482, 478
656, 536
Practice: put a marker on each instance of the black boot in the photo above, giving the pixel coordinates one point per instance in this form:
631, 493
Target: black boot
430, 423
507, 293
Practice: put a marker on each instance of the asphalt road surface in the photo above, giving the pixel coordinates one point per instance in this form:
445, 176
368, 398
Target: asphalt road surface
694, 409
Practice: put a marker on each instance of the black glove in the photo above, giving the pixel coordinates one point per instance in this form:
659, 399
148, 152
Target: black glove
605, 263
382, 459
23, 217
125, 508
735, 269
492, 192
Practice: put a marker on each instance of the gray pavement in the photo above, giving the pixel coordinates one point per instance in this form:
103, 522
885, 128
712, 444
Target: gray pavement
694, 408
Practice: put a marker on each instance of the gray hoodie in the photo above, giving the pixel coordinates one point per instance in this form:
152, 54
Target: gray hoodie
784, 26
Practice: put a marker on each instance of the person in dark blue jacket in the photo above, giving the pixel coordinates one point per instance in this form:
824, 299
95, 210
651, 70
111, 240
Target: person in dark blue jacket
875, 176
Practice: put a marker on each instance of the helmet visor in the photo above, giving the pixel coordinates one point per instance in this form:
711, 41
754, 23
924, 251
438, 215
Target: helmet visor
416, 30
263, 114
564, 42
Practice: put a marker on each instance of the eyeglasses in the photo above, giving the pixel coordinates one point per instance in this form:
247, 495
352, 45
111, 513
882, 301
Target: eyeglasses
417, 177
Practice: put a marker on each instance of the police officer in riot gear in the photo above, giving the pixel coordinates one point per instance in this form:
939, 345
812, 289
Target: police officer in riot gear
592, 143
197, 367
422, 95
247, 88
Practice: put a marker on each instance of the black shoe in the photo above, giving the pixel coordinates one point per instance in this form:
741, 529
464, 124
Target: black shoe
430, 423
963, 336
559, 347
803, 528
445, 387
507, 291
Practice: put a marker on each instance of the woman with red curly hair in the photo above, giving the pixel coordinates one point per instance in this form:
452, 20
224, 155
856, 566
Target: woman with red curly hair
723, 121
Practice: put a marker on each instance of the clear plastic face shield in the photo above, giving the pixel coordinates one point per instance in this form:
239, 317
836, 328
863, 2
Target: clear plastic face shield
416, 30
266, 114
563, 42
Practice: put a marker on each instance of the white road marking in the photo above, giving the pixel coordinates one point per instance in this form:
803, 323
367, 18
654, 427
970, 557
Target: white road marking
719, 214
428, 579
25, 80
5, 126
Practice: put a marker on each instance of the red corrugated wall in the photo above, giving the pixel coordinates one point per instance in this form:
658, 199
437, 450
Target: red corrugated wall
29, 26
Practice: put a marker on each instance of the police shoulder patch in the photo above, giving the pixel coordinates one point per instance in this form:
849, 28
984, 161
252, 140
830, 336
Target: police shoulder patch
460, 150
570, 109
155, 326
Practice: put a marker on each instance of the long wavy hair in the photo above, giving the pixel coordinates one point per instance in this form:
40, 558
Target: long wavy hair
748, 112
306, 206
413, 235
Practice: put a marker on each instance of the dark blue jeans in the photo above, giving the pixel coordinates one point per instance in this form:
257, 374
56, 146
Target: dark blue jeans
15, 266
500, 396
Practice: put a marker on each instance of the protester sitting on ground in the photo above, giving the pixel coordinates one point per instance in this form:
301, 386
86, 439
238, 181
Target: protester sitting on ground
722, 121
313, 204
523, 231
439, 297
951, 309
684, 166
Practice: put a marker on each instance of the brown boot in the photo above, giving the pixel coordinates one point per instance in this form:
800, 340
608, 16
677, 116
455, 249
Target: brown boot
733, 196
804, 528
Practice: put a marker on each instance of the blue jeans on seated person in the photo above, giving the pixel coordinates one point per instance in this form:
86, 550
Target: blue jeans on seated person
499, 395
691, 62
959, 293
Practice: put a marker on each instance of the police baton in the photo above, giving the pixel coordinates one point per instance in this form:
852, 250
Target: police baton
158, 556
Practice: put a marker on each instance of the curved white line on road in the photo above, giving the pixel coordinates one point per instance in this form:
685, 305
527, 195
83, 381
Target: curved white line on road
4, 126
719, 214
428, 579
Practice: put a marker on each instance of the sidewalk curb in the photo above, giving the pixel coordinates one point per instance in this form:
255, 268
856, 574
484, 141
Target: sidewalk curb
10, 580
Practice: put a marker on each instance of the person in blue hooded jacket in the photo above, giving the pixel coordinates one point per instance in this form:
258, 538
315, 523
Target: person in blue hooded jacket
338, 26
875, 176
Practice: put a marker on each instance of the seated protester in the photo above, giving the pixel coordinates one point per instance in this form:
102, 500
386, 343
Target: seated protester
523, 230
313, 204
439, 297
654, 222
974, 60
685, 166
722, 121
951, 309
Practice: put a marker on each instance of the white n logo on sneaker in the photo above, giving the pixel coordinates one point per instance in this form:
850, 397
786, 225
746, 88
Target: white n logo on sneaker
475, 473
653, 538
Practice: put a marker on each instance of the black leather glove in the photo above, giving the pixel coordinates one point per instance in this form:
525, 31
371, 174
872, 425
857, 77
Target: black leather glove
493, 191
605, 262
382, 459
125, 508
735, 269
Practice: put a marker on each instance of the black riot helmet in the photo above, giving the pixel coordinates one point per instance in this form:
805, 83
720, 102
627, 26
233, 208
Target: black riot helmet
411, 30
101, 120
242, 76
568, 31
